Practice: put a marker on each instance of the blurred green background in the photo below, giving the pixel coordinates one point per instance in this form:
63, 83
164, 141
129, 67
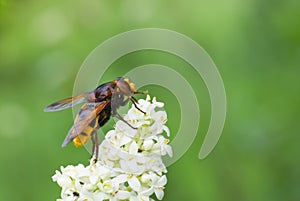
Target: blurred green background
254, 43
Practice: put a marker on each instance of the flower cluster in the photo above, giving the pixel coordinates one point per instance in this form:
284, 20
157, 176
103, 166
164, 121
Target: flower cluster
129, 166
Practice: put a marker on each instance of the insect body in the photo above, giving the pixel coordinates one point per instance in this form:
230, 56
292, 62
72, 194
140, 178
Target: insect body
101, 104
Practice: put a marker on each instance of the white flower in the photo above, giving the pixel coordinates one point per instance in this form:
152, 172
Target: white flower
147, 144
162, 146
158, 184
107, 187
129, 166
62, 180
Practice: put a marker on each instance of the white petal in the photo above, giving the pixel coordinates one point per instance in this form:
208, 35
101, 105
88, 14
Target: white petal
154, 178
110, 134
94, 178
160, 116
141, 159
133, 198
124, 140
133, 166
64, 181
100, 196
148, 98
122, 195
159, 193
148, 191
56, 176
133, 149
103, 171
122, 178
124, 165
143, 198
124, 128
134, 183
145, 178
106, 187
159, 104
167, 130
169, 150
147, 145
162, 181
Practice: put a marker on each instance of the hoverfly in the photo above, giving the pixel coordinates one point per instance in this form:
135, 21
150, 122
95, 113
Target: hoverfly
101, 104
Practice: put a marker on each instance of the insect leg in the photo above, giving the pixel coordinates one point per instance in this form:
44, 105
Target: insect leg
134, 101
97, 147
121, 118
93, 146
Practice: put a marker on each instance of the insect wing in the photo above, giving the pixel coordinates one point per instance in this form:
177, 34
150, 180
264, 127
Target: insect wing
86, 115
87, 133
66, 103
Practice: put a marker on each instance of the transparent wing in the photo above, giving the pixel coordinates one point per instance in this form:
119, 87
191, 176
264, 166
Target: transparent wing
87, 114
66, 103
87, 133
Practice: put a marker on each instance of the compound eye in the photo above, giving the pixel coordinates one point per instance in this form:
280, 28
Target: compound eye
124, 87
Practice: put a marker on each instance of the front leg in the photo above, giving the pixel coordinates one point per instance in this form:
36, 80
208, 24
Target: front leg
135, 102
